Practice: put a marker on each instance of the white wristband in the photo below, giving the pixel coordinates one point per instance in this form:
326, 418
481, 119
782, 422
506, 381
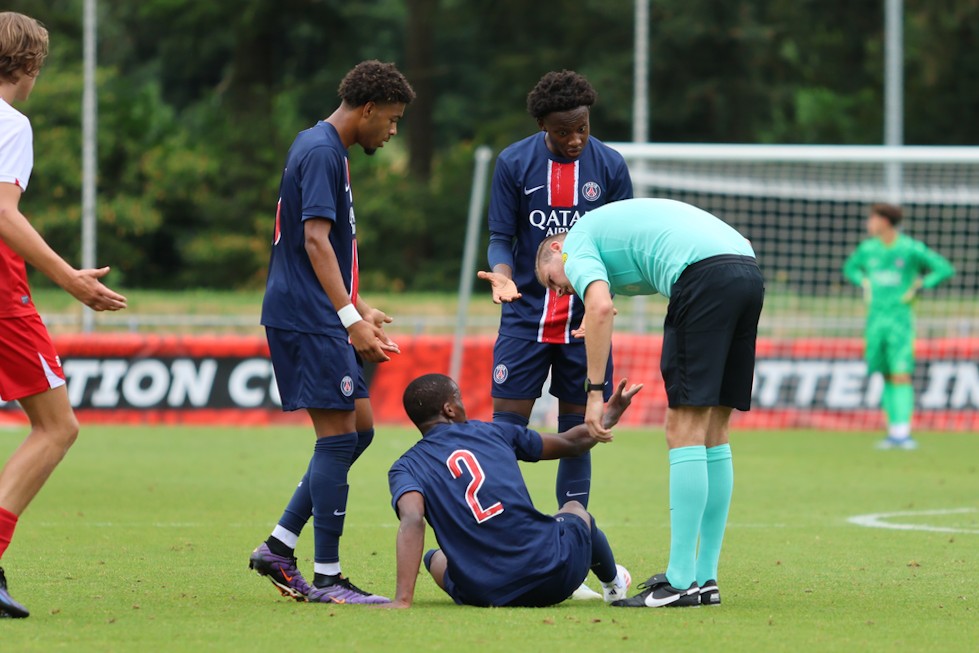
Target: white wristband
349, 315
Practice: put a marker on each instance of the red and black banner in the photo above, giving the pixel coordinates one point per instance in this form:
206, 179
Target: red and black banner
812, 383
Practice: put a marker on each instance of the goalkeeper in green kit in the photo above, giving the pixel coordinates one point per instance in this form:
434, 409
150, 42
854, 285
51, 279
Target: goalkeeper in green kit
892, 267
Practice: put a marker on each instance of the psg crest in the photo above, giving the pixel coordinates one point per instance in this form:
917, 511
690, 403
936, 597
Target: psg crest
500, 373
347, 386
591, 191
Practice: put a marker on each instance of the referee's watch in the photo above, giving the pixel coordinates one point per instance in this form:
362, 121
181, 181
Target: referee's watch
594, 387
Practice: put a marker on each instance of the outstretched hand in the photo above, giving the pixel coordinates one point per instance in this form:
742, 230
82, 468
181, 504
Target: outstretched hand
620, 400
600, 418
504, 290
84, 285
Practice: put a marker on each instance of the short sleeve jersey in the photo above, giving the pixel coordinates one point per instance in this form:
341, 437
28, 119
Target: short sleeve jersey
536, 194
477, 503
642, 246
16, 163
315, 184
891, 269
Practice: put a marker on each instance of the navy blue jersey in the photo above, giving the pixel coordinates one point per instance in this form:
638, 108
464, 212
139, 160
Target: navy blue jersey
536, 194
476, 501
315, 184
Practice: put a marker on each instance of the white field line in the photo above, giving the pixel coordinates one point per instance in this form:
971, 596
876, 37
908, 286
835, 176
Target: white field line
877, 520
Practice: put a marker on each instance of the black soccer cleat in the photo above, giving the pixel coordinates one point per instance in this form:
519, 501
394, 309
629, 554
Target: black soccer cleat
8, 606
658, 593
709, 594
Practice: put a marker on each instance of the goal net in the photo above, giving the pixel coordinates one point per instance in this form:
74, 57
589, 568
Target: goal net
804, 209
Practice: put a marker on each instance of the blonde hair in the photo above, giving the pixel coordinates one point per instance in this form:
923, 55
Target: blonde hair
544, 254
23, 46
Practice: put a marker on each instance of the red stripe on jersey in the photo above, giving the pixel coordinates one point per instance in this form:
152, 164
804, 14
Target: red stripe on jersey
354, 274
278, 223
562, 184
556, 320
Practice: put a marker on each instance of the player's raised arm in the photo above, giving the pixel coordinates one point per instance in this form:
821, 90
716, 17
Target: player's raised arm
577, 440
17, 232
411, 541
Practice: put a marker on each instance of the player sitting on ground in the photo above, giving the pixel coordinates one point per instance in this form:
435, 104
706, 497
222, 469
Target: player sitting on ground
464, 479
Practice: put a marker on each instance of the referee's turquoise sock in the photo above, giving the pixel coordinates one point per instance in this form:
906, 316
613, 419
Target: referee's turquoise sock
688, 498
720, 486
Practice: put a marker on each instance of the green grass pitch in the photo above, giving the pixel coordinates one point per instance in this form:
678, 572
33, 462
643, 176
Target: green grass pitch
140, 542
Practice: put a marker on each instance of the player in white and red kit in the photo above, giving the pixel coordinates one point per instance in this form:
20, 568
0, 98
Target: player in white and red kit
30, 370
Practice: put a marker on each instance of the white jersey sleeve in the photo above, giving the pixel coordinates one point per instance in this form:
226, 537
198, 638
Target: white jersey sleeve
16, 147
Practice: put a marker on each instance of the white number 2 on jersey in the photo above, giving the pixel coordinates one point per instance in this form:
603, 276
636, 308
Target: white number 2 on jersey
463, 458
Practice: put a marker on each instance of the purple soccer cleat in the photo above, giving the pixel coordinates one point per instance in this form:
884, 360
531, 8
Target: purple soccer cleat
281, 570
341, 590
8, 606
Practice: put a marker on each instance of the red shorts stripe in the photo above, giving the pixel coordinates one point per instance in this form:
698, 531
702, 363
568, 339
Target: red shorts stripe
29, 364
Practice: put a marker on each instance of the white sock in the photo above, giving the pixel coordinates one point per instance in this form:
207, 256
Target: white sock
900, 431
326, 568
618, 581
287, 537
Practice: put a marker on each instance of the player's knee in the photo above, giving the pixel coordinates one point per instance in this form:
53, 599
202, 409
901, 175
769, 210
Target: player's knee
578, 509
64, 430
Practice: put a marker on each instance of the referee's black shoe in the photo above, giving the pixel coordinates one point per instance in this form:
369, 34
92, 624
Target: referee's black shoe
9, 607
709, 594
658, 593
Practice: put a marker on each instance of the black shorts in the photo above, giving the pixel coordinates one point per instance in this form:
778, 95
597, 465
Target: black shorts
710, 331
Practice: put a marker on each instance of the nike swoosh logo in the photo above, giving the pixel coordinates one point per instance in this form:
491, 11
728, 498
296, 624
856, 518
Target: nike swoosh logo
336, 600
282, 570
528, 191
575, 494
339, 514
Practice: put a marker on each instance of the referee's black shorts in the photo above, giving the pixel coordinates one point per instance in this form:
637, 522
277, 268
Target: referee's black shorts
710, 330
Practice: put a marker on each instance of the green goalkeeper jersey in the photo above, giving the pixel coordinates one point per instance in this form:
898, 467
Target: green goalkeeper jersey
892, 270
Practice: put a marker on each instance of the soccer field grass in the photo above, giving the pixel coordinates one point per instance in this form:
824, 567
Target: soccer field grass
140, 542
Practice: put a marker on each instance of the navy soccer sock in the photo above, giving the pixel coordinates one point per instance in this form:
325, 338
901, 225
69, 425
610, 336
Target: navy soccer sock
602, 560
364, 439
573, 474
297, 512
328, 487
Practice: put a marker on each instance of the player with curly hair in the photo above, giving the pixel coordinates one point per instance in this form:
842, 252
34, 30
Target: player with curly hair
542, 185
30, 370
319, 328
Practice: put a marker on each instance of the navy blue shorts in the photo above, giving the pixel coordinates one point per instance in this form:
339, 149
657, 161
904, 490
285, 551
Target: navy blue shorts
573, 561
315, 371
710, 331
520, 368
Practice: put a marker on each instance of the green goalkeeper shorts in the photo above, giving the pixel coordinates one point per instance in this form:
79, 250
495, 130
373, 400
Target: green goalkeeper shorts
890, 347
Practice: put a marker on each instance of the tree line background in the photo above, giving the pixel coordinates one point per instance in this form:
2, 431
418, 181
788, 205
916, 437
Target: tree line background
199, 101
